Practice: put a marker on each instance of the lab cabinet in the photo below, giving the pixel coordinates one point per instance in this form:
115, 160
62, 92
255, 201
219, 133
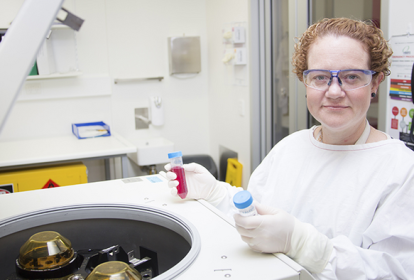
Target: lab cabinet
42, 178
57, 57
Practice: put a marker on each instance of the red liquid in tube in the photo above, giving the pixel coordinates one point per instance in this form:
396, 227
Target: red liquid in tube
182, 183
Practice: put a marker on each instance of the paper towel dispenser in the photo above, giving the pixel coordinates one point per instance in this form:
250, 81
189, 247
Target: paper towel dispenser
184, 55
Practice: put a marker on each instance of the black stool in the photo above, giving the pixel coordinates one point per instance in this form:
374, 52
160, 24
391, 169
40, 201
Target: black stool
204, 160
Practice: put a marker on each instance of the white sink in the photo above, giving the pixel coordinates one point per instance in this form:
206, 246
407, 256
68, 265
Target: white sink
151, 151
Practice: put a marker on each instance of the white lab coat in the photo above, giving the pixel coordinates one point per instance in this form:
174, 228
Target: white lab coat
360, 196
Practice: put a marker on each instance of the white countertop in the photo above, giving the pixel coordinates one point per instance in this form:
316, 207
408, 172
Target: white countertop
62, 148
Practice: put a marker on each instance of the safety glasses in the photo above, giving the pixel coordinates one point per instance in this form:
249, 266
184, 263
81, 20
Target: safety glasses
348, 79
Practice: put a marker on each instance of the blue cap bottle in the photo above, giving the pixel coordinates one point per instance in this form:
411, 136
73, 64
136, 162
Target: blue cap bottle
243, 201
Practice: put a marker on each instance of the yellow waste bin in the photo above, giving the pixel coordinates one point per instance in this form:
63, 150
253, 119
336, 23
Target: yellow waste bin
42, 177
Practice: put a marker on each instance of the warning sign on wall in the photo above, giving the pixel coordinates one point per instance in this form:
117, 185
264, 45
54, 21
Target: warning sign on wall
400, 96
50, 184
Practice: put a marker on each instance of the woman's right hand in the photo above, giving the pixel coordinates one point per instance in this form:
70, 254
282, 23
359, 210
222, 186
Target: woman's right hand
201, 184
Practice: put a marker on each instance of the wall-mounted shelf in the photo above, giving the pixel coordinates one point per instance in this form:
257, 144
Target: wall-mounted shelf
119, 80
56, 25
54, 76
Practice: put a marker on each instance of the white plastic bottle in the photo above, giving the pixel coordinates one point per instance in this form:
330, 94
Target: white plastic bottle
243, 201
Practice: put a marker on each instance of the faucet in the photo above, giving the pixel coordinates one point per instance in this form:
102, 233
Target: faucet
144, 119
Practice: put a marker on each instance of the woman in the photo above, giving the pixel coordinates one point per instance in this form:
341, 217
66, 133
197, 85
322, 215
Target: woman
336, 198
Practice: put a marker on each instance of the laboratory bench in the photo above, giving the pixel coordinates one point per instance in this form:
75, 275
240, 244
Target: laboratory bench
63, 149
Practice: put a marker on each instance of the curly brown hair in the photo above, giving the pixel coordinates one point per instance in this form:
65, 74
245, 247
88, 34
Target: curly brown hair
364, 31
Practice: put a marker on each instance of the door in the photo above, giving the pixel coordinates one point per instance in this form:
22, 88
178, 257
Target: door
278, 98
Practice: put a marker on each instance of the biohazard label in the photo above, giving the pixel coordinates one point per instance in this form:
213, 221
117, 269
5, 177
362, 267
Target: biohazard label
6, 189
50, 184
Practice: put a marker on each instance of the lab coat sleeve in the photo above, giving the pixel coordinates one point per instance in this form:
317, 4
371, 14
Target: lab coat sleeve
387, 250
258, 186
255, 184
226, 206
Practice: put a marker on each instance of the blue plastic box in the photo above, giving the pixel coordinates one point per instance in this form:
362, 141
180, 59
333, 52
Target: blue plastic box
90, 130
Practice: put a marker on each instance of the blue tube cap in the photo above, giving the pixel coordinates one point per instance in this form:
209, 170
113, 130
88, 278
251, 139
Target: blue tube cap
175, 154
242, 199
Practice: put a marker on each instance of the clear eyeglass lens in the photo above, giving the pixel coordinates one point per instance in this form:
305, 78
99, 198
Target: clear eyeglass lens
350, 79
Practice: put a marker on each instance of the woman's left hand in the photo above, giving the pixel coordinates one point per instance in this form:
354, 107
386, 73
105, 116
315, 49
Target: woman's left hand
268, 232
276, 231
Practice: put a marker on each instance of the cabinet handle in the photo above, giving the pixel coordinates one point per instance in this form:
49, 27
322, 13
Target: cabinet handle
119, 80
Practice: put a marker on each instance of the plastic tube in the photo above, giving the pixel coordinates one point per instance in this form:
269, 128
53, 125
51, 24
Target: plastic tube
176, 161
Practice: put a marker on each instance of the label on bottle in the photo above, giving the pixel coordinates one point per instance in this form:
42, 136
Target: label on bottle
249, 211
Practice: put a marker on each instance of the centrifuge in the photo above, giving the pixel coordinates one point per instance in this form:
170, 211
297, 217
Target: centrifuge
134, 226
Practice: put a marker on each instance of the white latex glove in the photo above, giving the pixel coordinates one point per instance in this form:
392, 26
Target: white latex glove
201, 184
276, 231
268, 232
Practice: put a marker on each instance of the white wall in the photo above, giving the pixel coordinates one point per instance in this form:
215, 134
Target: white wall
400, 17
128, 38
125, 38
228, 127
